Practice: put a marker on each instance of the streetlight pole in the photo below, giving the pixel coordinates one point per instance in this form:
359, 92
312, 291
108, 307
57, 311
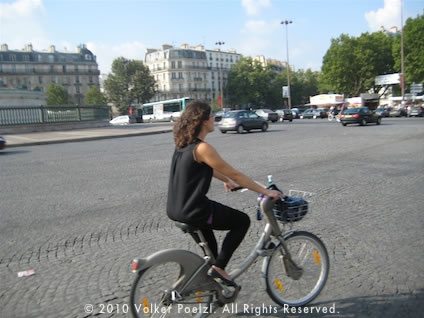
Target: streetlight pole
402, 57
220, 76
286, 22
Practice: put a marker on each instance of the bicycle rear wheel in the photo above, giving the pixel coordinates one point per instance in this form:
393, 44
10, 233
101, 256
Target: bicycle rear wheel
155, 294
309, 253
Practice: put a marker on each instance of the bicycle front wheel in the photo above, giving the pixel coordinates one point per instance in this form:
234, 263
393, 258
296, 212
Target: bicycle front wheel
155, 294
309, 253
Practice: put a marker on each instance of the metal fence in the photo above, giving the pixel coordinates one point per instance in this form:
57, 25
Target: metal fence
22, 115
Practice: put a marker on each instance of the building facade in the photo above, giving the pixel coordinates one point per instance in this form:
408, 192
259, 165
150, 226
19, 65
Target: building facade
36, 70
189, 71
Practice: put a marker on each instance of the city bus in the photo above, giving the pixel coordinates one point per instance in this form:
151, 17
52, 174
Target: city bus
166, 110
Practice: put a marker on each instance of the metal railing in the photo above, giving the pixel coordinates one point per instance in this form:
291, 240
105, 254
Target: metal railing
23, 115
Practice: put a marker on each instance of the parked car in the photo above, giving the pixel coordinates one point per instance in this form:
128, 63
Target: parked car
323, 112
241, 120
398, 112
268, 114
416, 111
285, 114
313, 113
383, 112
123, 120
2, 143
359, 115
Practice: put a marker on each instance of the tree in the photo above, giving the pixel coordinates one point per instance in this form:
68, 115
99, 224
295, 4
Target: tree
94, 97
249, 83
413, 32
130, 82
56, 95
351, 64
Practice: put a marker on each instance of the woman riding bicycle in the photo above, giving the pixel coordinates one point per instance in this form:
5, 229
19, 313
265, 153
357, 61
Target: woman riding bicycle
194, 163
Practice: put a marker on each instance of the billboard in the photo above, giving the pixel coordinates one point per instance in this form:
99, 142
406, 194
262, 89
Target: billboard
387, 79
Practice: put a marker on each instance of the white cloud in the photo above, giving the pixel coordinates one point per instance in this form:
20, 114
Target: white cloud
253, 7
21, 23
388, 16
107, 53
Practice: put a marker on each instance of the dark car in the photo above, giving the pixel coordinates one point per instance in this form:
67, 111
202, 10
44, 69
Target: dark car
313, 113
359, 115
268, 114
2, 142
323, 112
383, 112
241, 120
285, 114
398, 112
416, 111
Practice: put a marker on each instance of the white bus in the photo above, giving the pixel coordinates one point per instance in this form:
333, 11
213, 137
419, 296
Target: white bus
167, 110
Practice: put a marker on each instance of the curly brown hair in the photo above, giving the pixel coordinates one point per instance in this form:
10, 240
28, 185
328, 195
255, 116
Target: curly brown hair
188, 126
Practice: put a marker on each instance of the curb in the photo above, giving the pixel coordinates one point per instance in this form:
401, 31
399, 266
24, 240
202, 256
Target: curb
79, 139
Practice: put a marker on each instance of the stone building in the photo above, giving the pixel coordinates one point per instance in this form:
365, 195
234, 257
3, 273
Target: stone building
188, 71
36, 70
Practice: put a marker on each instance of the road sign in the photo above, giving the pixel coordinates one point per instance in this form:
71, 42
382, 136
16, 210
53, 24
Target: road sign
416, 88
286, 92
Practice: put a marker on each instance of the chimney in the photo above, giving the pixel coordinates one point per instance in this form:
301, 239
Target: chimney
4, 47
28, 47
166, 47
52, 49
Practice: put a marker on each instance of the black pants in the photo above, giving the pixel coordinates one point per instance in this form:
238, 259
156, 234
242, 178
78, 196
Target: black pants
226, 219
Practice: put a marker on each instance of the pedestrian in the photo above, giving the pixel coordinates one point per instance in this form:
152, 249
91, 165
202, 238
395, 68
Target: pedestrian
193, 165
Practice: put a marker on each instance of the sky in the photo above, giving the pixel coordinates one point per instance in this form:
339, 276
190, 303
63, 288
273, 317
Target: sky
114, 28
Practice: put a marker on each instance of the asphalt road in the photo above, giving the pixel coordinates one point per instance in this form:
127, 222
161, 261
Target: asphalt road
78, 213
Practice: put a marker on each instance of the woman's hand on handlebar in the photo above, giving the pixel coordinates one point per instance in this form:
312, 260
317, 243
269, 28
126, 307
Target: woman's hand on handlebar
274, 194
231, 186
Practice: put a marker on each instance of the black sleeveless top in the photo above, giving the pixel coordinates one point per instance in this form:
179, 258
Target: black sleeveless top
189, 182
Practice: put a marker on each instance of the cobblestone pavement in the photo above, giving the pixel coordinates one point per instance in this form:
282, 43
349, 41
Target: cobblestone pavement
80, 230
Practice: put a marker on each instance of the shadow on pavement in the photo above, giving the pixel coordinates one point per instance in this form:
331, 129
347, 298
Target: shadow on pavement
398, 305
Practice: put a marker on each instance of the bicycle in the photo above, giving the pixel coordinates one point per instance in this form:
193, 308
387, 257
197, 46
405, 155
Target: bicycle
331, 117
295, 268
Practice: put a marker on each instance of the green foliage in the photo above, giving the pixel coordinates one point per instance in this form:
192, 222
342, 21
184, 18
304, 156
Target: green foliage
413, 50
94, 97
249, 83
351, 64
56, 95
130, 82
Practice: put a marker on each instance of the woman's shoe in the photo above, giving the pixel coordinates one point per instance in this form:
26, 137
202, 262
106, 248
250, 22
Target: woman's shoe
212, 272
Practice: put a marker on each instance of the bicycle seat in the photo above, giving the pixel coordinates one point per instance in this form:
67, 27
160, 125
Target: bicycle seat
186, 228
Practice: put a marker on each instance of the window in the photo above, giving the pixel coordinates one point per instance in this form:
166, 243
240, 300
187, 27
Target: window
26, 58
40, 79
77, 79
173, 64
12, 57
180, 75
78, 90
173, 75
64, 68
180, 64
51, 58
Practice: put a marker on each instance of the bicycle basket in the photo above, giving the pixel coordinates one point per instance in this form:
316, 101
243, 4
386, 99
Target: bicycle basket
290, 209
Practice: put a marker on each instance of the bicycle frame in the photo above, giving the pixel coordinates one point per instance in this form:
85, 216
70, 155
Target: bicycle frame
262, 248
